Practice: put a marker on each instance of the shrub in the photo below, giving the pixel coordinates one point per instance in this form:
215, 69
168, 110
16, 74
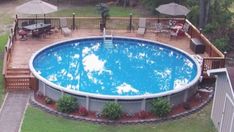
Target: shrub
83, 111
160, 107
67, 104
48, 100
222, 43
112, 110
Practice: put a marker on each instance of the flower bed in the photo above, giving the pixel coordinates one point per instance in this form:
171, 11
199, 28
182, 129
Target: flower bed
194, 104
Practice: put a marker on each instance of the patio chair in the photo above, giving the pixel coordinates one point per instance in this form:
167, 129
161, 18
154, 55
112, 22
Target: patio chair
64, 28
160, 28
185, 28
141, 26
174, 33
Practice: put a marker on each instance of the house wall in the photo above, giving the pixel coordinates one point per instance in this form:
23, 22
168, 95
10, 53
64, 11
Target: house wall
222, 90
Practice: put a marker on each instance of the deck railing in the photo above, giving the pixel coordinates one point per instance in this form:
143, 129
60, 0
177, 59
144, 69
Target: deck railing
215, 60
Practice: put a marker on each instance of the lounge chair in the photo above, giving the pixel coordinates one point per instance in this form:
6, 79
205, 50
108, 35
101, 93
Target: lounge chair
64, 28
141, 26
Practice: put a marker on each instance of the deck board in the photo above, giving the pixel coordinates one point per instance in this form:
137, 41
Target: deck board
23, 50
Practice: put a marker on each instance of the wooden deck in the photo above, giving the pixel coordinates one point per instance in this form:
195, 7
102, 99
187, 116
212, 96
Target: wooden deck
22, 50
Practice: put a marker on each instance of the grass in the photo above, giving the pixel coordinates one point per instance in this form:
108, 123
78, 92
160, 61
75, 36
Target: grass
38, 121
91, 11
3, 41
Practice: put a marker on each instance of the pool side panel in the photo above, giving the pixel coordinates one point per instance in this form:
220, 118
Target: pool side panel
128, 106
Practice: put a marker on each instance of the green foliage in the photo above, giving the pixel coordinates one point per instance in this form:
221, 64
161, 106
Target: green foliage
3, 41
104, 11
112, 110
222, 44
220, 14
210, 28
160, 107
67, 104
48, 100
193, 16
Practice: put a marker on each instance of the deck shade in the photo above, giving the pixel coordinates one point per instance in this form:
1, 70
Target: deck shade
36, 7
173, 9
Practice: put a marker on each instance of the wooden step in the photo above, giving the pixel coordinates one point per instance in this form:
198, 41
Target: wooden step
17, 79
18, 76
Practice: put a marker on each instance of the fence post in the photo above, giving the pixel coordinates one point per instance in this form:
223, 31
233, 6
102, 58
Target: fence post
73, 21
130, 22
225, 55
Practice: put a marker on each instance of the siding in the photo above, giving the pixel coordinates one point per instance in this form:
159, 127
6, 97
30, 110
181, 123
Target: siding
223, 88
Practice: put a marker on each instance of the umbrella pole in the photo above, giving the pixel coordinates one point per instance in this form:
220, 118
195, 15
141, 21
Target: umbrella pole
158, 18
36, 20
44, 18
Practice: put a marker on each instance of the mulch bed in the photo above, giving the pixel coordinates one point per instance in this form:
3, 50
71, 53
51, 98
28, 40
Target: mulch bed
194, 104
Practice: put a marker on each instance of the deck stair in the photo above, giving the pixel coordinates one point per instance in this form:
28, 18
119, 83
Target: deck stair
17, 79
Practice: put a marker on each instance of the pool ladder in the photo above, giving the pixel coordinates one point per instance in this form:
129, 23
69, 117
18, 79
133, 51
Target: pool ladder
108, 40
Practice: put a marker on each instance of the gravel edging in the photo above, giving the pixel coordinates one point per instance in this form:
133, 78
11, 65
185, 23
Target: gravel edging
35, 103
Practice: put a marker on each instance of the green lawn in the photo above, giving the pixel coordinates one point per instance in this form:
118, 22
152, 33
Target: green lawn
39, 121
91, 11
3, 41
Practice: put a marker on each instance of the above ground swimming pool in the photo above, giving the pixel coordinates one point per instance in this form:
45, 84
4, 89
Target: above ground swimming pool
124, 69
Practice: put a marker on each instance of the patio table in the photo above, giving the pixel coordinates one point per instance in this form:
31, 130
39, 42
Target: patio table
36, 26
37, 29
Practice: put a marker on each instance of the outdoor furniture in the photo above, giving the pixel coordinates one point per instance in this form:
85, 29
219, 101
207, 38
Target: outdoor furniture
36, 26
185, 28
173, 9
64, 28
174, 33
141, 26
24, 23
37, 29
160, 28
23, 34
197, 46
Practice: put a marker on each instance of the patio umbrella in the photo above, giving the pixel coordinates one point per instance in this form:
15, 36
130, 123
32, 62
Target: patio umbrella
173, 9
36, 7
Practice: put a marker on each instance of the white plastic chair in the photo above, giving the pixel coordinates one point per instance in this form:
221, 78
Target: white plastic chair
141, 26
65, 30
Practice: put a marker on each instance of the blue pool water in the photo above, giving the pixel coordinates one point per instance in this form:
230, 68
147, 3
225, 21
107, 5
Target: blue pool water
130, 67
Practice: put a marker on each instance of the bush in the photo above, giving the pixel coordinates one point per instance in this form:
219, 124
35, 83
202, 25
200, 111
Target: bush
112, 110
222, 44
67, 104
48, 100
160, 107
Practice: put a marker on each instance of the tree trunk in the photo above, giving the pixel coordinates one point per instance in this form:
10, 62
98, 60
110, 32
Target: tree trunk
207, 12
201, 13
204, 12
